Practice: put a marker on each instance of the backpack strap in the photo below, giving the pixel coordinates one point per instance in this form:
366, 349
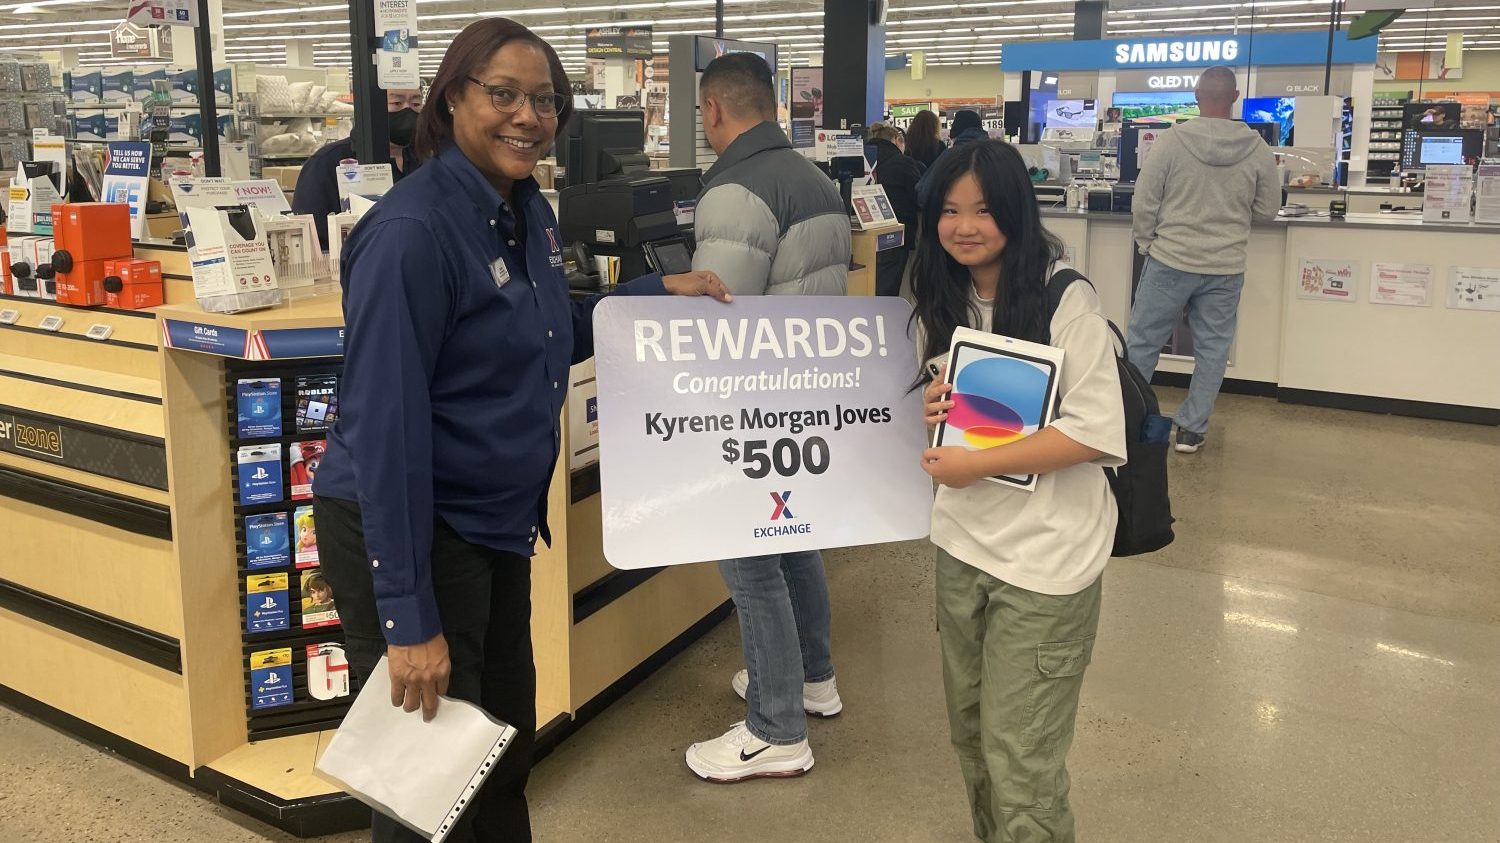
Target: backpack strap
1057, 285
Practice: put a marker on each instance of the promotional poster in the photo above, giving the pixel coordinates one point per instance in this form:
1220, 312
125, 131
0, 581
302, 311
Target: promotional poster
769, 425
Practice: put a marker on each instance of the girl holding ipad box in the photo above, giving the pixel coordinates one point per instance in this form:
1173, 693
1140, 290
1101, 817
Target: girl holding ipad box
1018, 572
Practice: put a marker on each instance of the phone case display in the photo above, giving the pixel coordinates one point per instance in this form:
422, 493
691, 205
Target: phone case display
296, 671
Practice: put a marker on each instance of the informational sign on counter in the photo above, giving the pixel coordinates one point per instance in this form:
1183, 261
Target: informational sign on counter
872, 208
1487, 193
1328, 280
1407, 284
770, 425
1447, 192
127, 174
1474, 288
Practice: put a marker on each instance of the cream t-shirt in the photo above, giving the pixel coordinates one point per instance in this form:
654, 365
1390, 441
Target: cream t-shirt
1056, 539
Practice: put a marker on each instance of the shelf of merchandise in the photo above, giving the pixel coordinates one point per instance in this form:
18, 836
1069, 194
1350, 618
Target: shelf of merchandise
1385, 138
322, 115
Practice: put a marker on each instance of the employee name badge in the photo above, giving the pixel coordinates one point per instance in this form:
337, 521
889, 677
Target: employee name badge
500, 272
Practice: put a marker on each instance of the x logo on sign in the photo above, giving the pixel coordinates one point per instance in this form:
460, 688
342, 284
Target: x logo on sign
781, 506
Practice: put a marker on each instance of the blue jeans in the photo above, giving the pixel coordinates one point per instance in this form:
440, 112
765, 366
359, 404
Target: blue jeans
784, 630
1212, 303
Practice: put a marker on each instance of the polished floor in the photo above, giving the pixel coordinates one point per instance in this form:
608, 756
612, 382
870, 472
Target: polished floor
1317, 658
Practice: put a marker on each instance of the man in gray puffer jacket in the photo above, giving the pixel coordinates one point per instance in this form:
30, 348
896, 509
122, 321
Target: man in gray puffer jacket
769, 221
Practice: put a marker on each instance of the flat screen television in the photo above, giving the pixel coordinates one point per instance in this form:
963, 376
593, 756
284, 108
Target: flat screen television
1420, 149
1165, 107
1430, 115
1276, 110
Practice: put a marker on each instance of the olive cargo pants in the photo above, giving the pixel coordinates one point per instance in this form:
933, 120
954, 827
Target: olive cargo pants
1013, 663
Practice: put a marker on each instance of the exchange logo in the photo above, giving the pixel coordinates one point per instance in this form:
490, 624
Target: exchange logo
782, 512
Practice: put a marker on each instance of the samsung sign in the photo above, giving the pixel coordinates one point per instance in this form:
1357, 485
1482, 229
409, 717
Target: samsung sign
1217, 51
1284, 48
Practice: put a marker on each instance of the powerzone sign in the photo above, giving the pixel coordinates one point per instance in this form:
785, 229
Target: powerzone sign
1193, 53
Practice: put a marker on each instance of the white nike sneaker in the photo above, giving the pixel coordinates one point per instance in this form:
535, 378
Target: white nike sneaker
739, 755
820, 699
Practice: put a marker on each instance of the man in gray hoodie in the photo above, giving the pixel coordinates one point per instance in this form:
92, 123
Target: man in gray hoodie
1201, 186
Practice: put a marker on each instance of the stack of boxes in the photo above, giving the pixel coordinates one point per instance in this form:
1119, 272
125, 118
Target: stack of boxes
89, 262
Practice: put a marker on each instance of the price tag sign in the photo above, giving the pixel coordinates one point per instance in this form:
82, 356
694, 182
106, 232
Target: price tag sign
99, 332
9, 316
52, 323
770, 425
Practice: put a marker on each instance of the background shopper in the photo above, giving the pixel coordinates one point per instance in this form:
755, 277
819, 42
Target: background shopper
1018, 572
898, 174
317, 190
966, 128
1200, 188
924, 138
459, 338
768, 221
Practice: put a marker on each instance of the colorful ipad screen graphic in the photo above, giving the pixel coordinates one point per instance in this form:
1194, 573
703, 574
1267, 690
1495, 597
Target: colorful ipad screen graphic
997, 400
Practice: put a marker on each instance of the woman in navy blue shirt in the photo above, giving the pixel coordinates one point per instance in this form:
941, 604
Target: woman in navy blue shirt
460, 334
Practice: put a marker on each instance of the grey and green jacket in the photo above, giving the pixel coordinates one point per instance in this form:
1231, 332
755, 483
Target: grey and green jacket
770, 222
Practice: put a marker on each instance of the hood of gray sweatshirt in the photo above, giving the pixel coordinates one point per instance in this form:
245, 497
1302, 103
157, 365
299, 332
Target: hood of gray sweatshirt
1203, 183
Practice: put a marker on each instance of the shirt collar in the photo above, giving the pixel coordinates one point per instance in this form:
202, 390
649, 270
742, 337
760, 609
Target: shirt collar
757, 139
478, 188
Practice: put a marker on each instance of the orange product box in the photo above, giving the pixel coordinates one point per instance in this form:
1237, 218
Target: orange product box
88, 235
134, 285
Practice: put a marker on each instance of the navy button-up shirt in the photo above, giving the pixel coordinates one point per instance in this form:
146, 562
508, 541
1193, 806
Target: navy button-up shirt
459, 337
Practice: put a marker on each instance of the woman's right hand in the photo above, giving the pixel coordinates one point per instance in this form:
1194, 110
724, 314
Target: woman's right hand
419, 673
935, 398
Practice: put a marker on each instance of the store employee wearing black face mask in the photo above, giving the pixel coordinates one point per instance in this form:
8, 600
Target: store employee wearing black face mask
317, 190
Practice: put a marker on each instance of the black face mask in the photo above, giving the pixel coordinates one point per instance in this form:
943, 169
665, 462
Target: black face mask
403, 126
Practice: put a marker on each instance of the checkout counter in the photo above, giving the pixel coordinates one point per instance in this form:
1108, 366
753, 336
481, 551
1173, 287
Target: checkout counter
1349, 352
122, 591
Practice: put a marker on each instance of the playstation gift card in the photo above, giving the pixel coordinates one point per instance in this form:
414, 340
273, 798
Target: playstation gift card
258, 405
266, 542
260, 475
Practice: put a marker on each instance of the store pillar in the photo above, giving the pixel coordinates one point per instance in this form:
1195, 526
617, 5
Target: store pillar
299, 53
854, 63
1088, 20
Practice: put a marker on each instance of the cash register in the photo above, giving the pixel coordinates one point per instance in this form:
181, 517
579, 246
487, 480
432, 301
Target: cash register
613, 204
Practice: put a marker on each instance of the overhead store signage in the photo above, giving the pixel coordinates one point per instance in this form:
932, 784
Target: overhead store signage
163, 12
630, 42
397, 66
1235, 50
128, 41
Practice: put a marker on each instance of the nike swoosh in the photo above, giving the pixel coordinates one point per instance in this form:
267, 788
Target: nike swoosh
744, 757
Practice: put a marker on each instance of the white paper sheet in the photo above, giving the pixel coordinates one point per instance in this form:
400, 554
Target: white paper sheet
422, 774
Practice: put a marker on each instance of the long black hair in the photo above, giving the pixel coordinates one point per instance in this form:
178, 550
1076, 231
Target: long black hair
942, 285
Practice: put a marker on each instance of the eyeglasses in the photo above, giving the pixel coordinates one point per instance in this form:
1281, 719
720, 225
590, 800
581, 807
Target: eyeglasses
508, 100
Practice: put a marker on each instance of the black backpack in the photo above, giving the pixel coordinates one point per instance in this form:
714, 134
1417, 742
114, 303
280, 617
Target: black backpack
1140, 486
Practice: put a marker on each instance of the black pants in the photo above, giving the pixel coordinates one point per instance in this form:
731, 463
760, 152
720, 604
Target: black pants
890, 265
484, 602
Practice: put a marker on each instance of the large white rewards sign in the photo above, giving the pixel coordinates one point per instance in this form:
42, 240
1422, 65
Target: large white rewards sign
769, 425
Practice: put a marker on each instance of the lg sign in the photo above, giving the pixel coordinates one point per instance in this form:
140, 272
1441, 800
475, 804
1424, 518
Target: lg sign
1177, 52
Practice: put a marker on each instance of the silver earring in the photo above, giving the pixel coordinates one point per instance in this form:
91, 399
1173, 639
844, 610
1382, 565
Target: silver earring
451, 109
